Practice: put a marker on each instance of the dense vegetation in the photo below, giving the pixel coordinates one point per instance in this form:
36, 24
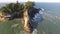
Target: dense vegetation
17, 7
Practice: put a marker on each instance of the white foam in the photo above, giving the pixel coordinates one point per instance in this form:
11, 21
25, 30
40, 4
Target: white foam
35, 31
57, 17
37, 17
42, 9
40, 12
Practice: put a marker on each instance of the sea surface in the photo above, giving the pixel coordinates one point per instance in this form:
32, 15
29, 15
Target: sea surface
51, 22
51, 15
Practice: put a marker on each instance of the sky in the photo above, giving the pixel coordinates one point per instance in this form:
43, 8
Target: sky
58, 1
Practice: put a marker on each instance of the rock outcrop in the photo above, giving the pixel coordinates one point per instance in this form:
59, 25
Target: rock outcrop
3, 19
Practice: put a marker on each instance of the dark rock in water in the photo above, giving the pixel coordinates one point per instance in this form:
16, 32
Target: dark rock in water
35, 16
31, 18
33, 11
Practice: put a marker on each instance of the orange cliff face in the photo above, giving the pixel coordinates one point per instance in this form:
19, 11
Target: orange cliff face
26, 22
3, 19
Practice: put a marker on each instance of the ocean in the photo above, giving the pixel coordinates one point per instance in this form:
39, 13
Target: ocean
51, 22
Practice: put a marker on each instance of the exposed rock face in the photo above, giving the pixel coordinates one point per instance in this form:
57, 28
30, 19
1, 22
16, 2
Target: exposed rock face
27, 19
35, 17
27, 22
15, 15
32, 12
3, 19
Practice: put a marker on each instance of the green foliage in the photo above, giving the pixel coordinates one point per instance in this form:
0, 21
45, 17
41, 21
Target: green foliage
29, 4
11, 8
16, 7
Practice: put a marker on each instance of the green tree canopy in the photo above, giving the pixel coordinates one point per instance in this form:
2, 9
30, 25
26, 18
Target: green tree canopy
29, 4
17, 7
12, 7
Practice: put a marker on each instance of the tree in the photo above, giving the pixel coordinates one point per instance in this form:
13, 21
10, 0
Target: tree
29, 4
13, 7
17, 7
8, 9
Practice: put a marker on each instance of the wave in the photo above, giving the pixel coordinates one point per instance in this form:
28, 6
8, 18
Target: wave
49, 14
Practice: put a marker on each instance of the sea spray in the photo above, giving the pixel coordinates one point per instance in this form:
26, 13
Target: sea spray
35, 31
